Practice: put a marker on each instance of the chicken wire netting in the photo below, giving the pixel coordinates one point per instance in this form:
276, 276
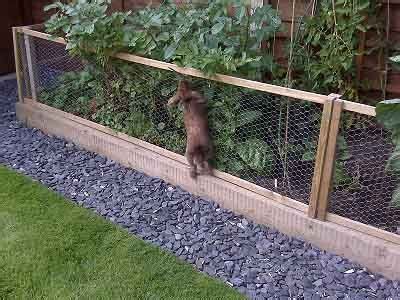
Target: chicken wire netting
42, 64
363, 188
266, 139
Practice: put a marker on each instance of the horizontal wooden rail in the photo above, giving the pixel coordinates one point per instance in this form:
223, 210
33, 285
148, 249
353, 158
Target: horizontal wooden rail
41, 35
250, 84
254, 85
359, 108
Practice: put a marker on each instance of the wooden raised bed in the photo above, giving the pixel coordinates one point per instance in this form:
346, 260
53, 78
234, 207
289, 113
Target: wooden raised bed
377, 249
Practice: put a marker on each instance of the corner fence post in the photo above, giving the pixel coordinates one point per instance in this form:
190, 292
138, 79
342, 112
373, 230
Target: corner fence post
325, 158
30, 49
18, 64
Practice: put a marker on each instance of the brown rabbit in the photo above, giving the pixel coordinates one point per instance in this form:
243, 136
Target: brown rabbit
198, 144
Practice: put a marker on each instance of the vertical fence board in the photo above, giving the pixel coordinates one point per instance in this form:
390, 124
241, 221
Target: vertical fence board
25, 71
17, 58
320, 158
330, 160
31, 60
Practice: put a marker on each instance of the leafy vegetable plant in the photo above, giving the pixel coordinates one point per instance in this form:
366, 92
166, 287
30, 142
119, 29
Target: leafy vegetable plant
223, 37
388, 113
327, 46
209, 38
89, 31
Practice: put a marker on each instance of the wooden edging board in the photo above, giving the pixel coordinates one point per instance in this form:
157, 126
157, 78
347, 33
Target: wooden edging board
363, 228
254, 85
376, 254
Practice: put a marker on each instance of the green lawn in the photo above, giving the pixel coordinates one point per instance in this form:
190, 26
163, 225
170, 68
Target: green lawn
53, 249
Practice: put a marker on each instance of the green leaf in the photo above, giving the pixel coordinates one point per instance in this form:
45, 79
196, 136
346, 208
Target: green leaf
167, 90
170, 51
393, 164
240, 13
235, 166
247, 117
395, 60
365, 5
388, 113
341, 177
70, 46
89, 29
396, 197
308, 156
217, 28
256, 154
163, 36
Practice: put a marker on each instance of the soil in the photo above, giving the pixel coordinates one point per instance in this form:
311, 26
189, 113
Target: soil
369, 201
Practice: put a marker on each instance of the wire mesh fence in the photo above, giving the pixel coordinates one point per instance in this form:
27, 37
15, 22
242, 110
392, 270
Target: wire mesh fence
363, 188
265, 139
43, 63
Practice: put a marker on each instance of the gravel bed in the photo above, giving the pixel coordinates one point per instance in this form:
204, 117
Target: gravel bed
260, 262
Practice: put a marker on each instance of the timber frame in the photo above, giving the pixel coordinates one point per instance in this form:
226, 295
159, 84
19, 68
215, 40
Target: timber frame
377, 249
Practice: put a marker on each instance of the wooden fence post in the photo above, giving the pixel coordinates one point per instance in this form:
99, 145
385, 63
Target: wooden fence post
330, 160
18, 66
31, 61
325, 158
320, 157
24, 65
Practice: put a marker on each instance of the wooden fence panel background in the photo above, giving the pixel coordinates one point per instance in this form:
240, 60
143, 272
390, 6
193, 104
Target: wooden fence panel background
372, 66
